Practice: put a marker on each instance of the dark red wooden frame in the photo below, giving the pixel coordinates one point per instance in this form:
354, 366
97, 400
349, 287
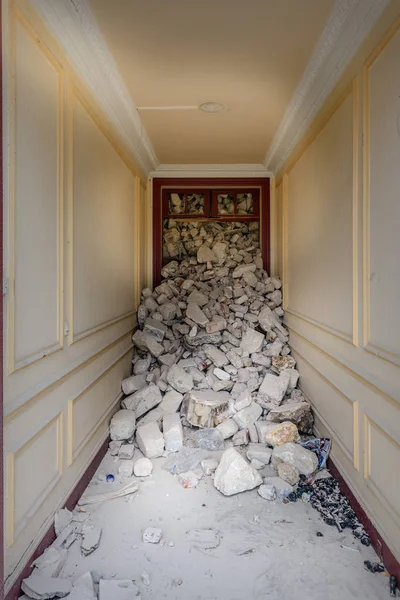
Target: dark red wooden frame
1, 331
210, 184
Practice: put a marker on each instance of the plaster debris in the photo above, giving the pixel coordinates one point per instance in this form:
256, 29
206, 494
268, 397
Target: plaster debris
91, 539
152, 535
267, 491
62, 519
143, 467
234, 474
117, 589
40, 587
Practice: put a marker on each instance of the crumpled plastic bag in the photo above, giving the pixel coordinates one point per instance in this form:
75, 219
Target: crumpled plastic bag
185, 460
321, 447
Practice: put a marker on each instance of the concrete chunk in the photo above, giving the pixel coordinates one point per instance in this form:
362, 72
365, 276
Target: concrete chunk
247, 416
143, 400
234, 474
145, 341
179, 379
215, 355
155, 328
133, 384
195, 313
273, 389
228, 428
297, 456
173, 433
252, 341
201, 407
122, 426
150, 440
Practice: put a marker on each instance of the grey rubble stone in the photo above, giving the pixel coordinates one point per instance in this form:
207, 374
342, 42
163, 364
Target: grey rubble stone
118, 589
296, 412
133, 384
243, 401
203, 338
252, 341
221, 374
91, 540
167, 359
268, 321
297, 456
40, 587
153, 416
273, 389
228, 428
234, 474
260, 358
259, 452
250, 279
171, 402
145, 341
215, 355
179, 379
143, 467
289, 473
152, 535
150, 440
155, 328
126, 468
256, 464
247, 416
143, 400
122, 426
273, 349
198, 298
168, 311
141, 365
126, 451
114, 447
219, 249
282, 488
267, 491
173, 433
234, 359
241, 438
217, 323
50, 562
241, 269
202, 407
205, 254
209, 465
195, 313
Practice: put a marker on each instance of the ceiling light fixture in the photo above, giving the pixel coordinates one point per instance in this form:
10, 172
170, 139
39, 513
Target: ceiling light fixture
210, 107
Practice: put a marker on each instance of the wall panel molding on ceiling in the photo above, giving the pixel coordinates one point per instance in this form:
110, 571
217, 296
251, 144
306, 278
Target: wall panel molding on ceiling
72, 24
348, 25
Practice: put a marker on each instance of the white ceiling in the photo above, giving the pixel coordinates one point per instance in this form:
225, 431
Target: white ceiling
249, 55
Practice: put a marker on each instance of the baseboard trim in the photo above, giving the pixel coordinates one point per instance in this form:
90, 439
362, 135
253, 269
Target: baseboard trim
49, 537
378, 543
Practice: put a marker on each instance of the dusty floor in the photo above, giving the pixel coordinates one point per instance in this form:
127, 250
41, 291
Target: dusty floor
267, 549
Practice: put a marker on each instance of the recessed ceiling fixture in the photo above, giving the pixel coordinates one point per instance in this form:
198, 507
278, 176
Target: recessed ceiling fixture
211, 107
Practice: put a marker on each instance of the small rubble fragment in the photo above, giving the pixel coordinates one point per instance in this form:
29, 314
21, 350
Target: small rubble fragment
152, 535
40, 587
267, 491
90, 540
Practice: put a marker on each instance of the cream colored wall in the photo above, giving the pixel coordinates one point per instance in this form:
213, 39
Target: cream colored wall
339, 210
75, 264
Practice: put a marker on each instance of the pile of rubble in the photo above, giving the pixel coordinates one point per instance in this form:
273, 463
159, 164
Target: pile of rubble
214, 391
212, 371
184, 238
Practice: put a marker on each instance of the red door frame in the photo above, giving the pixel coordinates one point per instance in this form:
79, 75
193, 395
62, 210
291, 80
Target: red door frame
159, 183
1, 331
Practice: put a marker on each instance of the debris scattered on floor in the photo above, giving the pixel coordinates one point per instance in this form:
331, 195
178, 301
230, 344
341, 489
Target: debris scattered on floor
213, 394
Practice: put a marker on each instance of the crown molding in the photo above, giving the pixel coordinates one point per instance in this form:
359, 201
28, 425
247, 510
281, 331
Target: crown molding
212, 170
73, 25
348, 25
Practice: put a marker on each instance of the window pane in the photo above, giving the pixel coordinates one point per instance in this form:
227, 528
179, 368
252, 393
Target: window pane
226, 204
196, 204
245, 204
176, 204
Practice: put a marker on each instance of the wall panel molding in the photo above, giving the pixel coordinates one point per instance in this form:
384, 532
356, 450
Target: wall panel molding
17, 18
368, 344
75, 450
369, 425
14, 528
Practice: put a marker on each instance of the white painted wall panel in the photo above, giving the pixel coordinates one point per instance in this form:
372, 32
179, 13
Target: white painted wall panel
103, 240
384, 160
36, 198
319, 235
